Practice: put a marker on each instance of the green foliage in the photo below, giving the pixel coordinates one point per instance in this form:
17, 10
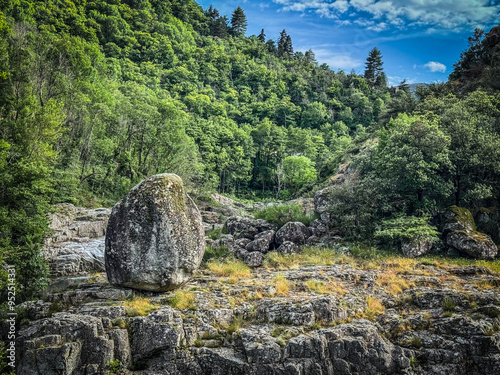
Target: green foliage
114, 366
298, 171
413, 159
281, 214
406, 228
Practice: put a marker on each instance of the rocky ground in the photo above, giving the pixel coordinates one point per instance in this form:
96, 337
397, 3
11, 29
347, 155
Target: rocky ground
342, 315
305, 305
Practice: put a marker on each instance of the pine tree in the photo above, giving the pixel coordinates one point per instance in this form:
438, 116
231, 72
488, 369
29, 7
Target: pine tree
374, 71
289, 46
282, 43
285, 47
238, 22
216, 24
262, 36
221, 28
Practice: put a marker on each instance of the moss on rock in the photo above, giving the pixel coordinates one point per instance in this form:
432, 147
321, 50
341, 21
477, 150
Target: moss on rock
463, 216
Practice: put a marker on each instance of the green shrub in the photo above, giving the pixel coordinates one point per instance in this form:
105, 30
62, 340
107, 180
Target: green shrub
283, 213
407, 228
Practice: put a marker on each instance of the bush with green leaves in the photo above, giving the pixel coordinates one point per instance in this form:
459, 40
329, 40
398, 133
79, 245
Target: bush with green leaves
281, 214
404, 228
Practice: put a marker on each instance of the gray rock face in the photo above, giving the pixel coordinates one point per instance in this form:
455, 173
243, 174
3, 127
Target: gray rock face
417, 248
293, 231
155, 238
75, 258
461, 235
64, 343
444, 324
475, 244
322, 200
76, 246
288, 247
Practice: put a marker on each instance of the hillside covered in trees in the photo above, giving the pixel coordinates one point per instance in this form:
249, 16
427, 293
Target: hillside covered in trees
97, 95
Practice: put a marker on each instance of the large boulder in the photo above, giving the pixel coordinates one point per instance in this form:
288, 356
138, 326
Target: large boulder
462, 236
475, 244
155, 238
293, 231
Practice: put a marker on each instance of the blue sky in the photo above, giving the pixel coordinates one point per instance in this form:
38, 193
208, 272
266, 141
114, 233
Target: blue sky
419, 39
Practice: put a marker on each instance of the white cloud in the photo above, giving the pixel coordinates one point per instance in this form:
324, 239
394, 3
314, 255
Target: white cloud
450, 15
337, 60
436, 66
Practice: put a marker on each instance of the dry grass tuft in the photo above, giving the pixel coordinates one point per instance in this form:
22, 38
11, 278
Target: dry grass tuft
373, 309
322, 287
282, 285
139, 306
392, 283
234, 269
182, 299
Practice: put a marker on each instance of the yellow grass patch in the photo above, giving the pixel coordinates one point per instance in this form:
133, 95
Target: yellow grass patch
139, 306
234, 269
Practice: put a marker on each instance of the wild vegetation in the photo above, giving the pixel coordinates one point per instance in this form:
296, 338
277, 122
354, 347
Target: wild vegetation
96, 96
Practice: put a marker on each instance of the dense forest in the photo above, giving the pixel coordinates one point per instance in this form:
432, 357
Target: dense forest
97, 95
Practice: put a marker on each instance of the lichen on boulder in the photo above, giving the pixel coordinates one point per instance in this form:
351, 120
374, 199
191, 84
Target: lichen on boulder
461, 234
472, 243
155, 237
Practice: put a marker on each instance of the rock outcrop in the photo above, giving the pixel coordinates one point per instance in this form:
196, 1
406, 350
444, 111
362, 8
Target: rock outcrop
155, 238
76, 245
461, 235
444, 321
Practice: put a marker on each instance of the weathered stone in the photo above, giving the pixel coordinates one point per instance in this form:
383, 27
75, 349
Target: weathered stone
260, 244
475, 244
121, 346
267, 234
260, 348
155, 238
160, 331
76, 258
322, 200
83, 340
241, 227
313, 240
294, 231
262, 241
413, 249
253, 259
288, 247
458, 218
242, 242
